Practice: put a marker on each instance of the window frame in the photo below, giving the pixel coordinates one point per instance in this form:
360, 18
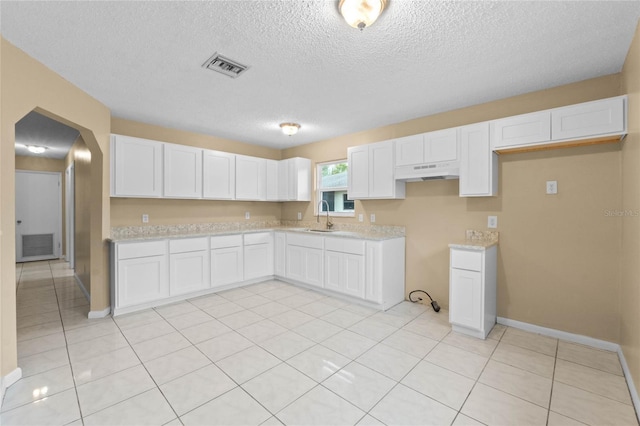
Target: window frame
319, 191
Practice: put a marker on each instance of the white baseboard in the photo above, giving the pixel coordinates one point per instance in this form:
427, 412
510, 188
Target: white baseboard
100, 314
8, 380
583, 340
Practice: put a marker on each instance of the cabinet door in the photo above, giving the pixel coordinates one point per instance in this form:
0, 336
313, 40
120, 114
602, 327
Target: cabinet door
313, 266
441, 146
521, 130
353, 267
182, 171
284, 184
137, 167
410, 150
258, 261
373, 282
226, 266
333, 271
219, 175
250, 178
189, 272
465, 298
280, 249
142, 280
296, 263
300, 178
272, 172
358, 172
478, 164
588, 119
381, 170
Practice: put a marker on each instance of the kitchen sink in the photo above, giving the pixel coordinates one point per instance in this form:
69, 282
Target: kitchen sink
321, 230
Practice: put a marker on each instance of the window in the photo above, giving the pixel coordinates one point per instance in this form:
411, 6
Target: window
331, 180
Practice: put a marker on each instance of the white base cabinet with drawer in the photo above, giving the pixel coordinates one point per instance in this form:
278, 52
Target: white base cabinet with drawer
472, 290
258, 255
344, 266
305, 259
226, 260
188, 265
142, 273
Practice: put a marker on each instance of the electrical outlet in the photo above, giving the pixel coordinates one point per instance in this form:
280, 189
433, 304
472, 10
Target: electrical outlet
145, 218
247, 215
360, 217
299, 215
552, 187
492, 222
372, 218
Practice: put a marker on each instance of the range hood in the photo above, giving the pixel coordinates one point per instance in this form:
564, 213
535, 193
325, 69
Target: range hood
429, 171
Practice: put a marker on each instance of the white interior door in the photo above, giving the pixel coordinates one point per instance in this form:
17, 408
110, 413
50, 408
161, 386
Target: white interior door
70, 212
38, 215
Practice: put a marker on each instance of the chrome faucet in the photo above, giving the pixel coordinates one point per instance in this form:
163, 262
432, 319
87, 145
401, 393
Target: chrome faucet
329, 224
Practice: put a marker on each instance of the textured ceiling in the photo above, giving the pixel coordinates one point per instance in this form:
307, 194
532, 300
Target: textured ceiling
143, 59
36, 129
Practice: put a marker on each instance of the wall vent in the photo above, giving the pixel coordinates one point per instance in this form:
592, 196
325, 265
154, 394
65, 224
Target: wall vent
37, 245
225, 66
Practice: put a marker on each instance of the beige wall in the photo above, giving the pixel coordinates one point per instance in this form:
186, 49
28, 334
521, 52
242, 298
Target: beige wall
42, 164
630, 270
558, 255
28, 85
129, 211
80, 155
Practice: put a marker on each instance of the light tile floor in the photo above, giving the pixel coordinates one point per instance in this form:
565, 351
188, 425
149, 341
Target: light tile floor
274, 354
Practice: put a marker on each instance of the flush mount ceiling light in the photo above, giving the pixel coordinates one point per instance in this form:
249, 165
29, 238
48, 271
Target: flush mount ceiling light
290, 129
36, 149
361, 13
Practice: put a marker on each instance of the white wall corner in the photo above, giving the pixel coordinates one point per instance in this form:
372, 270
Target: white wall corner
82, 287
8, 380
582, 340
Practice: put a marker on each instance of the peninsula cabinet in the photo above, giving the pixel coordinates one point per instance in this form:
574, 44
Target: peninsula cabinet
344, 266
472, 290
136, 167
226, 260
188, 265
478, 163
371, 172
141, 271
182, 171
218, 175
251, 179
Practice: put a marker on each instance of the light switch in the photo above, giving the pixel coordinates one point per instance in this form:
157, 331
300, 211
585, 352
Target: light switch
552, 187
145, 218
360, 217
247, 215
492, 222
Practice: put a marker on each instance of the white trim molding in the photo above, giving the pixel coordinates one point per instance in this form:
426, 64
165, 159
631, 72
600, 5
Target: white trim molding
583, 340
100, 314
8, 380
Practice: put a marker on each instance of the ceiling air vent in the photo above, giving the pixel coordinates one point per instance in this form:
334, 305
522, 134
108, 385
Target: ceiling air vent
225, 66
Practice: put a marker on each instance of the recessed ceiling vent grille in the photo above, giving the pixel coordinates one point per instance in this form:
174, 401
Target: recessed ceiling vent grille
225, 66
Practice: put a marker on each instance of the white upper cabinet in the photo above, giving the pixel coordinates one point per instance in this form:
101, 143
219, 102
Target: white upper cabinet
590, 119
478, 163
521, 130
294, 179
219, 175
182, 171
410, 150
136, 167
251, 178
371, 172
432, 147
273, 180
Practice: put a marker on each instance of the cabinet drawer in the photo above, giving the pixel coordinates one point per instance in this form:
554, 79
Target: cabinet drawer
462, 259
146, 249
226, 241
257, 238
344, 245
185, 245
310, 241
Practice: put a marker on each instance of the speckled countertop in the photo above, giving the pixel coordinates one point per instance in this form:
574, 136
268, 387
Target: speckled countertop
157, 232
477, 240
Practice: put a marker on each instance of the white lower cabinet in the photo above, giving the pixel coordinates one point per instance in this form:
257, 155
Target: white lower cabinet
305, 259
226, 260
258, 255
279, 254
188, 265
141, 273
384, 272
344, 266
472, 290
